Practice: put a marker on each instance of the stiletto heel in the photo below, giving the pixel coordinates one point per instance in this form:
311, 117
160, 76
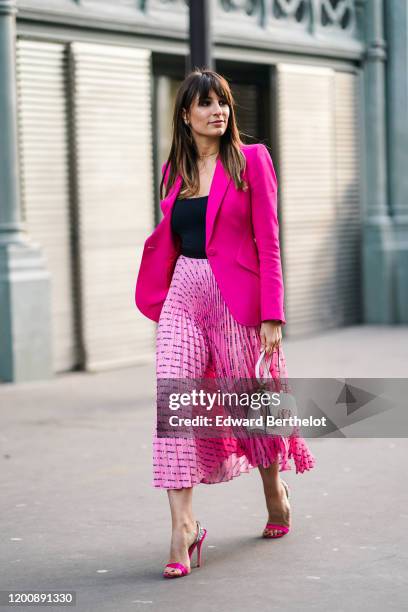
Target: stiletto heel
198, 542
199, 553
201, 533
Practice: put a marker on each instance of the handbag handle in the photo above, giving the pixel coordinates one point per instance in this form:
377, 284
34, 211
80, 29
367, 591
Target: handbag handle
268, 366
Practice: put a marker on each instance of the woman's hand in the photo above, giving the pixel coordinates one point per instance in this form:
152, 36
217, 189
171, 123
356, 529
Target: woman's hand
271, 335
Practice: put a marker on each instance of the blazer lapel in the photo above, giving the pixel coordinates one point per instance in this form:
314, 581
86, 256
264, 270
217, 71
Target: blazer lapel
216, 194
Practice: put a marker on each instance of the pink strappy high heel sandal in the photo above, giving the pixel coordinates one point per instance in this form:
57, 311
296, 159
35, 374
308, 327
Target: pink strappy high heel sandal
283, 528
198, 542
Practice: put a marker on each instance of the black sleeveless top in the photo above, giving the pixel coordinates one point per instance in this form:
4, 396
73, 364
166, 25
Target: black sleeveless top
188, 222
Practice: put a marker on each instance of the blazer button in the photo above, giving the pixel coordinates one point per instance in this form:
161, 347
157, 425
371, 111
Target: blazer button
211, 251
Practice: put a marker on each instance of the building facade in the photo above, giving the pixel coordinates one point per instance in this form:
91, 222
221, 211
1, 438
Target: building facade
87, 88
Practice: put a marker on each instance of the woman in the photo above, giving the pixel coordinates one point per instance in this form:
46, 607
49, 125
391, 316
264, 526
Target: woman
211, 277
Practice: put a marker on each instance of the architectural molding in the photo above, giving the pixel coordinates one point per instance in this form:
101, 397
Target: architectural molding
303, 25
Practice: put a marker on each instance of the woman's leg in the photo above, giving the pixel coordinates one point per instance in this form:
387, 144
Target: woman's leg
275, 497
184, 527
235, 349
181, 353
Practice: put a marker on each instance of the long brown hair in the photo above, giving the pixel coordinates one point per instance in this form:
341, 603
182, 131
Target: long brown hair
183, 152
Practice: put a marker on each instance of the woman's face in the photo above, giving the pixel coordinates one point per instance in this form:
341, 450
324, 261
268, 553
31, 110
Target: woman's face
209, 117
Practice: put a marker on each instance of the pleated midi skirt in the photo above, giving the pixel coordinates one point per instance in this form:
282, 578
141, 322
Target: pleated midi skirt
197, 337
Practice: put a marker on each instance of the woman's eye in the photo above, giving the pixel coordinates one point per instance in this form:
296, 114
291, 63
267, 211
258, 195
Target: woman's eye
206, 102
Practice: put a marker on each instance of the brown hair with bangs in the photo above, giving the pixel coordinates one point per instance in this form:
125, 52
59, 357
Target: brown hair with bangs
183, 154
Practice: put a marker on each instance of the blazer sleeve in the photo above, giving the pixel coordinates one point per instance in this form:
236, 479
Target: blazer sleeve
264, 210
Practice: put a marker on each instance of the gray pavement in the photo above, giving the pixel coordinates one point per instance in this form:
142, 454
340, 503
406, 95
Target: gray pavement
78, 510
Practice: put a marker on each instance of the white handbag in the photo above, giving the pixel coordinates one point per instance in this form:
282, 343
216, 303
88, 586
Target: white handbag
281, 407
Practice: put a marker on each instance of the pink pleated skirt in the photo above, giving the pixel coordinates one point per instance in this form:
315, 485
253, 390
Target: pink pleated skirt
197, 337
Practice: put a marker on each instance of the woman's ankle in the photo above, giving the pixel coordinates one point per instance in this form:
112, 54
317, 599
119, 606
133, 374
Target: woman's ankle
184, 524
273, 487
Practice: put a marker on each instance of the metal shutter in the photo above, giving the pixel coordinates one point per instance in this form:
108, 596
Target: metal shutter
348, 206
43, 151
113, 157
246, 97
319, 201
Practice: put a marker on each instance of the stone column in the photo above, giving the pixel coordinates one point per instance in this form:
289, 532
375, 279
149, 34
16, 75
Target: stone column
377, 225
25, 342
396, 20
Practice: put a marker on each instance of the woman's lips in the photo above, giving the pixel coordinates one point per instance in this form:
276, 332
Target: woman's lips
220, 121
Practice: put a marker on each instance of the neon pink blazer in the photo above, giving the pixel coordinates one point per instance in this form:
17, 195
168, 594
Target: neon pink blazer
242, 244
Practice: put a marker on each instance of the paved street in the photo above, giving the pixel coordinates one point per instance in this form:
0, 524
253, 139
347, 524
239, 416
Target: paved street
78, 511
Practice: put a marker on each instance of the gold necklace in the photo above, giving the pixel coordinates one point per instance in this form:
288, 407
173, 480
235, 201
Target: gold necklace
209, 155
